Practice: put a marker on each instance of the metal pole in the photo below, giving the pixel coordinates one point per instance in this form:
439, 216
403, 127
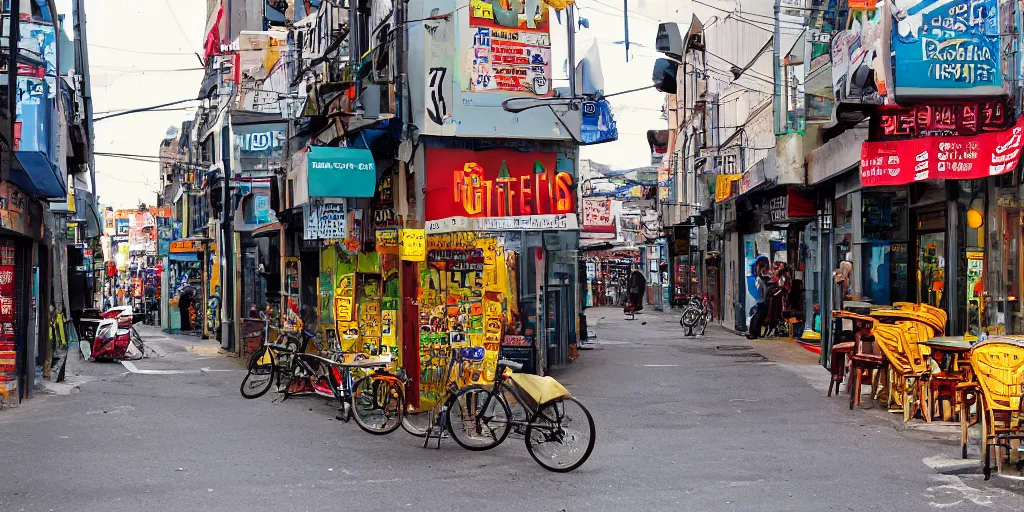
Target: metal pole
12, 77
625, 20
571, 29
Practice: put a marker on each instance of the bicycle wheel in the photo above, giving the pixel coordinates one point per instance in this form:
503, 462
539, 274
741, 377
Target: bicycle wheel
377, 405
258, 380
560, 437
477, 420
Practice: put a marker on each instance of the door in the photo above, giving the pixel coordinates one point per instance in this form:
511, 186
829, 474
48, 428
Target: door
931, 268
410, 330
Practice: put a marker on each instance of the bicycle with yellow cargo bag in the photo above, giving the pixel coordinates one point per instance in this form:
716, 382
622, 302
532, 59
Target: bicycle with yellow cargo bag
559, 431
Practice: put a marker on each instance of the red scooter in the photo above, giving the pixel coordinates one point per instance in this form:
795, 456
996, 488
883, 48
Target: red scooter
116, 337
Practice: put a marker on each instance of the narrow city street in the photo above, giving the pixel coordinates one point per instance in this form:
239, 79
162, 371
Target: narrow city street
683, 424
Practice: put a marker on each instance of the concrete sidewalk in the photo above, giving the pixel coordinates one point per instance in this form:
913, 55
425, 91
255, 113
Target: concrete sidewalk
795, 359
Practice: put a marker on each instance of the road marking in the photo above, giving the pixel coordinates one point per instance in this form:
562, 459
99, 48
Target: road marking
660, 365
131, 368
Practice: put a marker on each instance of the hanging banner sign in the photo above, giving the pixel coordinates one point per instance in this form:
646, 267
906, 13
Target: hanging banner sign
326, 221
935, 158
597, 216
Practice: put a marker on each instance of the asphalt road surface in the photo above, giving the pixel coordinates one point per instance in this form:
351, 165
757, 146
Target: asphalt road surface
709, 424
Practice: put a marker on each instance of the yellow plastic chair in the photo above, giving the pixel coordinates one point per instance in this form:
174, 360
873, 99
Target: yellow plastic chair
999, 369
888, 340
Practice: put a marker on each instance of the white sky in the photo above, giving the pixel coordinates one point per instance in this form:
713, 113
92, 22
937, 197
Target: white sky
637, 112
131, 40
146, 37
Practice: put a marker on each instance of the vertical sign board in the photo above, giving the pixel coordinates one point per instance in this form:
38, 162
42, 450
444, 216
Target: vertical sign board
326, 221
510, 52
947, 48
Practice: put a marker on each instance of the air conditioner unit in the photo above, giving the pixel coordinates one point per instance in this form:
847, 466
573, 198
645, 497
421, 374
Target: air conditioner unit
669, 41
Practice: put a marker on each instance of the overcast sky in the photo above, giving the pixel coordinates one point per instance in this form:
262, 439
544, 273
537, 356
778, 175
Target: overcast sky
137, 47
133, 47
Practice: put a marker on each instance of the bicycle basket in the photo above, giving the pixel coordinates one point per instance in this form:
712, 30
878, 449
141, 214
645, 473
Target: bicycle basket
538, 391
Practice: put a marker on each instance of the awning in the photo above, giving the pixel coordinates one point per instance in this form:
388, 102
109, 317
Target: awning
941, 158
186, 256
39, 178
341, 172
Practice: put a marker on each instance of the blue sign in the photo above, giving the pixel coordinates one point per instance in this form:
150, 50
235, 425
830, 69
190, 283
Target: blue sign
598, 123
950, 45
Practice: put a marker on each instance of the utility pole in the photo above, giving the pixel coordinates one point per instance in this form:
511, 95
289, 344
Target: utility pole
82, 70
12, 79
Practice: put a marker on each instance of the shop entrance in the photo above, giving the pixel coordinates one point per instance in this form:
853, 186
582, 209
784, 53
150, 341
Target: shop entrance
931, 257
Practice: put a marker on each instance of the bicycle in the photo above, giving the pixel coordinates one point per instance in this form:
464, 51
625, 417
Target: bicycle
545, 404
459, 404
696, 311
376, 401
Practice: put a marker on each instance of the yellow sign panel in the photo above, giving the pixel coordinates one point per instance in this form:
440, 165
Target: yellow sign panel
412, 245
723, 185
387, 241
343, 309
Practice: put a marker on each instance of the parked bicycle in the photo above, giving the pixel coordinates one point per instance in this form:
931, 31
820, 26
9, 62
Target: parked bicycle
559, 431
697, 313
376, 401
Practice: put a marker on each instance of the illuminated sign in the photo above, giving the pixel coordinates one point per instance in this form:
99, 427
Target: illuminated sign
186, 246
502, 188
947, 118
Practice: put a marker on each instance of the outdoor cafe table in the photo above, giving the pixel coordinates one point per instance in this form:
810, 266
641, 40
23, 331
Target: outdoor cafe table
954, 350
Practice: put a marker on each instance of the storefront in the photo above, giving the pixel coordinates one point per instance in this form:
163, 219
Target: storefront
186, 285
938, 196
19, 287
502, 259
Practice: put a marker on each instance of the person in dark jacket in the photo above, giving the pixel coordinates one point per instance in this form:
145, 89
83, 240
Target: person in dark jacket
186, 297
636, 286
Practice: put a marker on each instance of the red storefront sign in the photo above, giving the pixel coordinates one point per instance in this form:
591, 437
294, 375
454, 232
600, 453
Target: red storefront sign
940, 158
496, 183
940, 119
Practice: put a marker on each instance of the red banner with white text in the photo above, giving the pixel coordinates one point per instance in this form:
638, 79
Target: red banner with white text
941, 158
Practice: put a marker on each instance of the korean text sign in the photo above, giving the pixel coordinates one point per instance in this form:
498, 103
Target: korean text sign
930, 158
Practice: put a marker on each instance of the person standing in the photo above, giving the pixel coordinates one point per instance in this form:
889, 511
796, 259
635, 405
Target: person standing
637, 286
761, 309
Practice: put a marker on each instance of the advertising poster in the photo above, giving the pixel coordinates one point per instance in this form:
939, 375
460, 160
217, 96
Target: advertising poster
511, 47
950, 46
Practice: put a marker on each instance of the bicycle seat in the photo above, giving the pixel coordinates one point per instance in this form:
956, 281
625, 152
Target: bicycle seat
308, 333
473, 353
510, 364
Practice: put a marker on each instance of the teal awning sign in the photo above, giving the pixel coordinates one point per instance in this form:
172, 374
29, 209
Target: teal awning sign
341, 172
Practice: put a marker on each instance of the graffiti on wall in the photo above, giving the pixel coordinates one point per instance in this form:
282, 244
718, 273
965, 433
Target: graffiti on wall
511, 47
466, 300
951, 44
